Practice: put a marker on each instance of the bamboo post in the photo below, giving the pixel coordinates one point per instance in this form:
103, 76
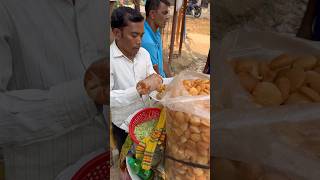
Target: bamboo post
174, 25
183, 25
178, 25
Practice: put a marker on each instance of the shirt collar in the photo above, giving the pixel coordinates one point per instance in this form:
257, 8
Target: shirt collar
116, 52
149, 29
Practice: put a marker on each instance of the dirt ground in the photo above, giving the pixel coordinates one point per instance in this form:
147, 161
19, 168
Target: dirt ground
280, 16
195, 47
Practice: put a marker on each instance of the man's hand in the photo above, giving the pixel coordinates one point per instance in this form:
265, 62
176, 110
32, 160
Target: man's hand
156, 68
95, 81
149, 84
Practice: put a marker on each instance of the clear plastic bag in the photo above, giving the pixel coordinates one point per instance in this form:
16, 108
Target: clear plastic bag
188, 130
151, 83
253, 44
285, 139
280, 141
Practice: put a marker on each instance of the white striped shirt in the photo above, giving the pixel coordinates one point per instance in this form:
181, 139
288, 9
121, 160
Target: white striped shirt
47, 121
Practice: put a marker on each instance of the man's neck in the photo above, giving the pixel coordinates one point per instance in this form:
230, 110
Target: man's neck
124, 52
152, 25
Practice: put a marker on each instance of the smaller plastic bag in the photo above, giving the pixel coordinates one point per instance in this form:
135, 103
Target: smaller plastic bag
151, 83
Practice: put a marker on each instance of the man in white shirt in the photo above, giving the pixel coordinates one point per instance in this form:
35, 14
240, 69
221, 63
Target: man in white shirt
129, 64
47, 121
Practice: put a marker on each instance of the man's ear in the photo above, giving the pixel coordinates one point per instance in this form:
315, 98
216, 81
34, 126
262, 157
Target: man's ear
117, 33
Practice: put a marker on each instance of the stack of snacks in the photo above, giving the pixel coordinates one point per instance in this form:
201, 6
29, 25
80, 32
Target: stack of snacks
188, 127
286, 79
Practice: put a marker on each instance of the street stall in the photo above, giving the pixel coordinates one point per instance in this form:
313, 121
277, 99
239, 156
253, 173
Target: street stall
170, 137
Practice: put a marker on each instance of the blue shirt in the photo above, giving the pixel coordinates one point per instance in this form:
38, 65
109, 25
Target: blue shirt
152, 42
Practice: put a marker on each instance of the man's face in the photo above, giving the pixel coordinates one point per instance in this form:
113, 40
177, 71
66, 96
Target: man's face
129, 38
161, 16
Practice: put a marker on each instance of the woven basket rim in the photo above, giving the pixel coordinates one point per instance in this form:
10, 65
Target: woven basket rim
135, 121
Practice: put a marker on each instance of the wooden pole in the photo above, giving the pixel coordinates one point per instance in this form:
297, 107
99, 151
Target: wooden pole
136, 4
206, 69
174, 24
183, 25
166, 39
178, 24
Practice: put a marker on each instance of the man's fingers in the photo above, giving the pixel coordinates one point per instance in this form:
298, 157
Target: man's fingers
95, 81
101, 97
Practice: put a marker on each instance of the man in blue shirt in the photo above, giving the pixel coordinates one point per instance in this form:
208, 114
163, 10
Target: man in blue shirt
157, 14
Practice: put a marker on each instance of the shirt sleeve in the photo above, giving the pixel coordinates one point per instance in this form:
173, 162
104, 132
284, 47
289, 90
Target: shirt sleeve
121, 98
150, 69
32, 114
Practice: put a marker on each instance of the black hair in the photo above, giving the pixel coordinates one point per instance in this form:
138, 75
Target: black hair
154, 5
122, 15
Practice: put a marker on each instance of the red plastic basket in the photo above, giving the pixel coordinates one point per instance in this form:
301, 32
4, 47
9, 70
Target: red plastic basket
96, 169
142, 116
